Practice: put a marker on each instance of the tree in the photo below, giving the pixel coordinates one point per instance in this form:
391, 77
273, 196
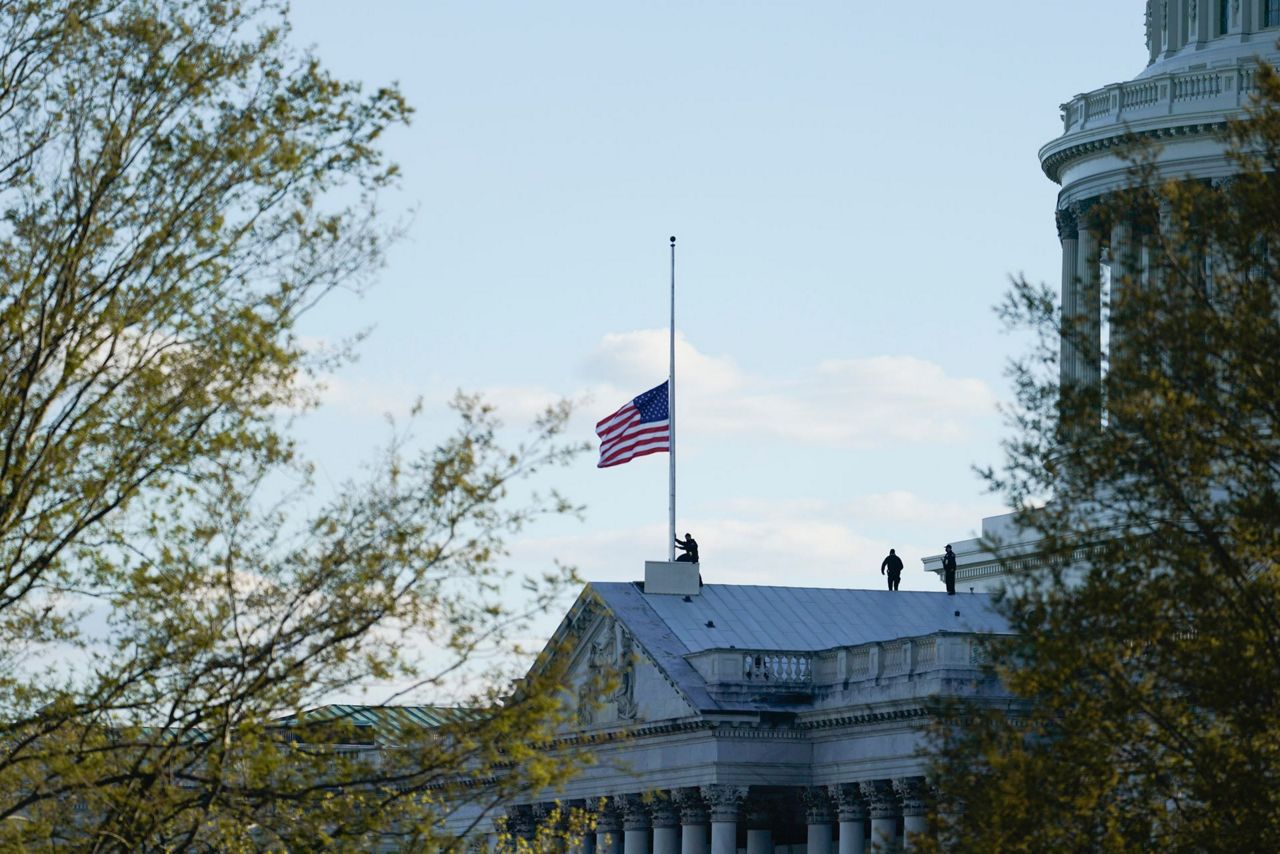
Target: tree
1145, 661
178, 187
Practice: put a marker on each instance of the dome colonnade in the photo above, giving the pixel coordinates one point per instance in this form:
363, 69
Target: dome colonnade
1203, 61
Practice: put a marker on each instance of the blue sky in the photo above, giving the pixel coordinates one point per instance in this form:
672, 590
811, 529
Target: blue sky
852, 185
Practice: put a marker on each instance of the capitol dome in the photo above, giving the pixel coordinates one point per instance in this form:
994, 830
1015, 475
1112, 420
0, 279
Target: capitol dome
1202, 57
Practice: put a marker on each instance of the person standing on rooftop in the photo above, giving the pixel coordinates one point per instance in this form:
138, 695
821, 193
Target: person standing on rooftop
949, 570
893, 564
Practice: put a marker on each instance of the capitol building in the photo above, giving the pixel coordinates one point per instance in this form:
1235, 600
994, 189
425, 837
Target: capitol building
777, 719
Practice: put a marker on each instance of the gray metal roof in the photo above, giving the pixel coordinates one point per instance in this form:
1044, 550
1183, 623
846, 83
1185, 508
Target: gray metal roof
795, 619
384, 721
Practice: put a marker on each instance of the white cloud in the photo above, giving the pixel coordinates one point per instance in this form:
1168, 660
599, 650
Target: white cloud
641, 358
850, 403
791, 543
364, 399
783, 551
865, 403
903, 507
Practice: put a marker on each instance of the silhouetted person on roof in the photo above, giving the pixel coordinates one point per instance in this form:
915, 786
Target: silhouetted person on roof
690, 548
949, 570
893, 564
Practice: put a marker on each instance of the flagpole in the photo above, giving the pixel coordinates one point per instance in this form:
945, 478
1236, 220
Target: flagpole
671, 412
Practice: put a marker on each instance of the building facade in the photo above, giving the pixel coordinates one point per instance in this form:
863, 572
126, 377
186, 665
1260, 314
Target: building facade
764, 719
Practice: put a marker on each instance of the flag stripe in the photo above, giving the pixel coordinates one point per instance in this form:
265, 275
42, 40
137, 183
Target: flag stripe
661, 450
618, 427
646, 433
631, 449
625, 413
657, 438
612, 451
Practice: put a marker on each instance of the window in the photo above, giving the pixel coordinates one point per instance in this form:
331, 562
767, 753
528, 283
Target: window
1224, 17
1271, 13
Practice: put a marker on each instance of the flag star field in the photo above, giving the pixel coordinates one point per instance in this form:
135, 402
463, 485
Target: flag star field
642, 426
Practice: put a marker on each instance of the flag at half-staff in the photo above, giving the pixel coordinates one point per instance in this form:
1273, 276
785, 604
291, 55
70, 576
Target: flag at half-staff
641, 427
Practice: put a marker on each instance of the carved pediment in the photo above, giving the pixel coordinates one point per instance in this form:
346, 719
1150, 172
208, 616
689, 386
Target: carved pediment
610, 677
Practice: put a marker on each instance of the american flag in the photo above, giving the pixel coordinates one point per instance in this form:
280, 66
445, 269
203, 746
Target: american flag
642, 426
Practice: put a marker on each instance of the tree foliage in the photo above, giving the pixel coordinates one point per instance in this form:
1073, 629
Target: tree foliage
1145, 664
178, 186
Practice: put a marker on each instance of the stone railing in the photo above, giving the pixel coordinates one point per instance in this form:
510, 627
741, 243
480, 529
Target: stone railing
761, 673
1227, 88
777, 667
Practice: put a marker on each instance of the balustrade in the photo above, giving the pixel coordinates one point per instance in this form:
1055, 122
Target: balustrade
1160, 96
777, 666
789, 671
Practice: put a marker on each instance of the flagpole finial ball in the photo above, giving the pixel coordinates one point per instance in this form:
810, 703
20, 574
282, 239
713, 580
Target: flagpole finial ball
673, 240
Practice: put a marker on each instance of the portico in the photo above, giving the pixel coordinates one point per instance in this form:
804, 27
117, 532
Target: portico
717, 818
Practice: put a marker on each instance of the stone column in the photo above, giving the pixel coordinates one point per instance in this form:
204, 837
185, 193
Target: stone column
1067, 233
1249, 16
609, 828
1124, 275
1164, 273
635, 823
818, 817
1220, 272
759, 827
913, 793
883, 806
542, 814
1155, 29
1176, 24
1081, 359
1200, 27
587, 845
725, 803
1089, 308
851, 809
693, 821
951, 809
666, 825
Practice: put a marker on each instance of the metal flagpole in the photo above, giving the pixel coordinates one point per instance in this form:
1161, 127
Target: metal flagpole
671, 411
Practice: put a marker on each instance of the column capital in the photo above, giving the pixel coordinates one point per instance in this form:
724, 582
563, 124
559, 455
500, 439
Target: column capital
664, 811
850, 804
635, 813
914, 794
1068, 223
881, 800
1087, 213
725, 802
520, 821
817, 805
693, 809
608, 816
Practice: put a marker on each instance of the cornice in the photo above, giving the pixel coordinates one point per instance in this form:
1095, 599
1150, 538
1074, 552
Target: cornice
896, 715
634, 733
1052, 164
753, 730
791, 732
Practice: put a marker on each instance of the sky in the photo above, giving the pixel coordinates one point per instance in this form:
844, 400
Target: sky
852, 184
